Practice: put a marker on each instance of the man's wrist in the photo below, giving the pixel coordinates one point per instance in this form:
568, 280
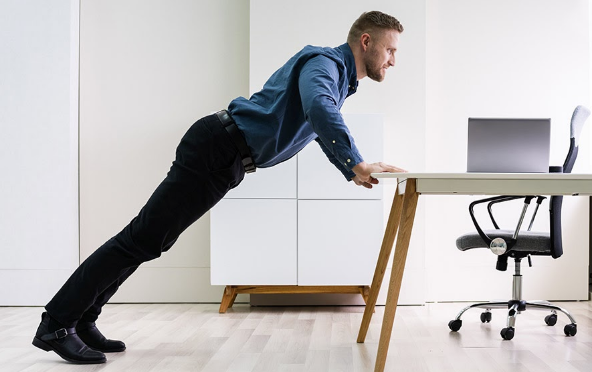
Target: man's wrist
360, 169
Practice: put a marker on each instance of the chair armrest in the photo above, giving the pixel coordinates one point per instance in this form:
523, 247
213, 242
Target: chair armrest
494, 200
502, 260
482, 234
499, 199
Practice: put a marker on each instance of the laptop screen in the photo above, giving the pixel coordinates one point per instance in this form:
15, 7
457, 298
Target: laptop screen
508, 145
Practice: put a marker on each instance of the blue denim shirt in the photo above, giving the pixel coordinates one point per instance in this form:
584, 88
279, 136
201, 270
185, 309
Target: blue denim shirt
300, 103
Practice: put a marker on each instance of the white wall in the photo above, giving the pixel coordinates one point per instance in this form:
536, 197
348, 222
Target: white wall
503, 59
38, 148
150, 69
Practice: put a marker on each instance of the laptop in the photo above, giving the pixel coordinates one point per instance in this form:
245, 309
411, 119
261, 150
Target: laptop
508, 145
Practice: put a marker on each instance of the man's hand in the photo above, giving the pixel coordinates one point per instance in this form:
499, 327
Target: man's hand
364, 170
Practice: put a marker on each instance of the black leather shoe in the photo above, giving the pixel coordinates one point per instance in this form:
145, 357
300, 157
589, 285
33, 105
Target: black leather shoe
90, 334
66, 343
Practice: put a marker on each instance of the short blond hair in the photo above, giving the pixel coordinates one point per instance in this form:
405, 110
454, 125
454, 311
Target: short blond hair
370, 22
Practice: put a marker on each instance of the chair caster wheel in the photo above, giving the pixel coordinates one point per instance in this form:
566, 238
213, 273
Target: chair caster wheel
551, 320
455, 325
486, 317
570, 329
507, 333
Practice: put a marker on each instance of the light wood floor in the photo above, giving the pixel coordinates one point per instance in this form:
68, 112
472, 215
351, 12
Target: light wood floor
194, 337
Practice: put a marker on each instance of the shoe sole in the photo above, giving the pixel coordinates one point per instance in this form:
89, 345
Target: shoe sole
107, 351
47, 347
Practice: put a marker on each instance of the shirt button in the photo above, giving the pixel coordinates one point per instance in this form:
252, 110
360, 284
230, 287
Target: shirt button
349, 160
333, 141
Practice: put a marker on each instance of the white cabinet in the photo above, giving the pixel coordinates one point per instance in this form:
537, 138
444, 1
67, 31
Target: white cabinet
338, 241
301, 223
254, 242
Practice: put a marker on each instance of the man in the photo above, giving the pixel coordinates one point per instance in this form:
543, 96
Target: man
298, 104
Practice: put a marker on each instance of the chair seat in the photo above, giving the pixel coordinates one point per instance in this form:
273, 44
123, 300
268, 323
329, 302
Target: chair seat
538, 243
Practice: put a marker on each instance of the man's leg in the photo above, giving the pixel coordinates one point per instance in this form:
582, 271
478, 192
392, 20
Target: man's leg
207, 166
92, 314
86, 328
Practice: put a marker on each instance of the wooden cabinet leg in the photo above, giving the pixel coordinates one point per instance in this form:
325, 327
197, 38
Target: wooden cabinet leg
364, 291
233, 298
227, 298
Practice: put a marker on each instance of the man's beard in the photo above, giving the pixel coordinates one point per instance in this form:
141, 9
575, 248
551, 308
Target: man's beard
373, 71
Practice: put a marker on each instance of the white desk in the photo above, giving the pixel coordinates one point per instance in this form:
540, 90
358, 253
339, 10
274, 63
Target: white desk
402, 215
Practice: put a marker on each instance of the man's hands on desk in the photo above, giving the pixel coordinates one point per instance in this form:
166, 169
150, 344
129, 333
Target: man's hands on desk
364, 170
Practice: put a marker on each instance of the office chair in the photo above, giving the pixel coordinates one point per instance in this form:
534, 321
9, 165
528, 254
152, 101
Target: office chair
519, 244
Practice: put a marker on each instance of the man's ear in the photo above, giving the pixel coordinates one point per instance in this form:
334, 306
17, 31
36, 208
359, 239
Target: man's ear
365, 41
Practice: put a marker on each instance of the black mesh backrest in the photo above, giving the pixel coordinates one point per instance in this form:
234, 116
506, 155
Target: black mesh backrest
578, 119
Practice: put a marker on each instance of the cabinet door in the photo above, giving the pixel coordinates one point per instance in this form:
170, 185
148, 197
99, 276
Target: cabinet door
319, 179
253, 242
277, 182
338, 241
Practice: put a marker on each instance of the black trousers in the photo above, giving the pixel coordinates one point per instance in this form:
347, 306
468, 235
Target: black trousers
206, 167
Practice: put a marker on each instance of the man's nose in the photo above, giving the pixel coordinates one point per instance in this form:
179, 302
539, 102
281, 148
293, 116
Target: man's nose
391, 61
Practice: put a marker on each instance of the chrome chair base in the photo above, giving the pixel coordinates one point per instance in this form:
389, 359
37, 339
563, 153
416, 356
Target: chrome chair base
515, 307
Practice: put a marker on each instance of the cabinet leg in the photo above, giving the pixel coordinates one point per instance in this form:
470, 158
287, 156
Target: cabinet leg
364, 291
227, 298
233, 298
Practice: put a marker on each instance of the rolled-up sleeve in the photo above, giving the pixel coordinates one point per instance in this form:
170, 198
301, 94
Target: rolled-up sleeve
319, 85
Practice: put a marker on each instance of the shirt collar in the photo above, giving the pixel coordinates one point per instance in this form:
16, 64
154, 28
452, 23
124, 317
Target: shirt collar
350, 64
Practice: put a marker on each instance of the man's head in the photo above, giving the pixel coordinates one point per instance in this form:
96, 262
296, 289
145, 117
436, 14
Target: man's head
374, 38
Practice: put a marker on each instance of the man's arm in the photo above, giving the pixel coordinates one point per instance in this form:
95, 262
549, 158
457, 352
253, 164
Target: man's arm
321, 99
319, 92
348, 174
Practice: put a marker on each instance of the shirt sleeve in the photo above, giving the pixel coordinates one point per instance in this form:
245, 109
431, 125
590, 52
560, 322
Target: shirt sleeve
319, 83
348, 174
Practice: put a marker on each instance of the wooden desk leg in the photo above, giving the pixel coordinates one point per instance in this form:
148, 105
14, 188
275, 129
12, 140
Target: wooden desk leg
407, 217
385, 252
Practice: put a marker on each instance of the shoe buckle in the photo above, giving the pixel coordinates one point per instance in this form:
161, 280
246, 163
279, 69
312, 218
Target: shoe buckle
61, 333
